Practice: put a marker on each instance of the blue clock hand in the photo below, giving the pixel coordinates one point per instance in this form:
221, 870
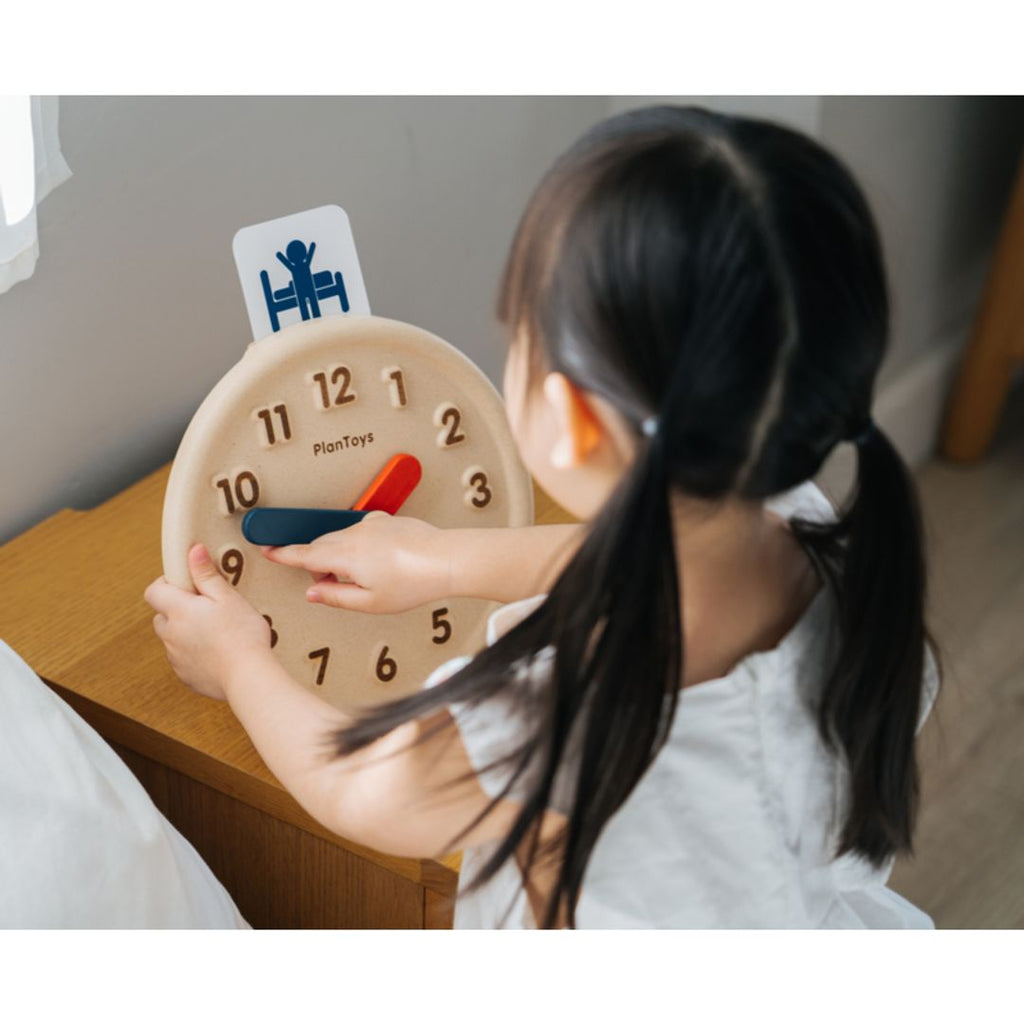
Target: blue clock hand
275, 527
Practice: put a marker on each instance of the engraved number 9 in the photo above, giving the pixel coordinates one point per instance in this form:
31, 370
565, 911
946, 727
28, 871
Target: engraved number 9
232, 562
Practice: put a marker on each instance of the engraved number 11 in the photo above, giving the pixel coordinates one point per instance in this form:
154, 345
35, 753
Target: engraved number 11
268, 422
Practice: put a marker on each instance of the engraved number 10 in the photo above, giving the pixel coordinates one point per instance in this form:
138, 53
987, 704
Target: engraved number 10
246, 490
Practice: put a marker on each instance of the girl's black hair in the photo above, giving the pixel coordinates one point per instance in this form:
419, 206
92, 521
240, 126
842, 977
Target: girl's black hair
720, 280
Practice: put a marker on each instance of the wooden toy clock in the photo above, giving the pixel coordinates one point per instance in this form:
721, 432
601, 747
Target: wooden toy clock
308, 419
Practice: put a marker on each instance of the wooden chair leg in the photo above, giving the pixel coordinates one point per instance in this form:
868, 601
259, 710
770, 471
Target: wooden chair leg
995, 346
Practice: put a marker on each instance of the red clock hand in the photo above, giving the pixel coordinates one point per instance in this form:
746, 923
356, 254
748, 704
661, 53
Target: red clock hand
391, 486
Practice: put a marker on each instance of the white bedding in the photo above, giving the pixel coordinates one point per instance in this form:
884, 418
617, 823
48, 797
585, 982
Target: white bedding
81, 843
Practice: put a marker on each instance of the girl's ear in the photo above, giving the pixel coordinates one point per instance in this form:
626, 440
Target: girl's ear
579, 429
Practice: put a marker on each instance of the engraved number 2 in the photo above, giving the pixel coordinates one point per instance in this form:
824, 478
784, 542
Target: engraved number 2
449, 418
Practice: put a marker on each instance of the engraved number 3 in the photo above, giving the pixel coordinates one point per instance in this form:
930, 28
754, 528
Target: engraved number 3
477, 493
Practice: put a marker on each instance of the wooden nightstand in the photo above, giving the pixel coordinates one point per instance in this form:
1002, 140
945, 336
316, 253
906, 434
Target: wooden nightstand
71, 606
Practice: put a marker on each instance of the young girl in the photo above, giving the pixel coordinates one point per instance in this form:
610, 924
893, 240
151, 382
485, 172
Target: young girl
699, 709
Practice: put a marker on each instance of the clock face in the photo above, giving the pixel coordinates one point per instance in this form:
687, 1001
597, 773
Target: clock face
307, 419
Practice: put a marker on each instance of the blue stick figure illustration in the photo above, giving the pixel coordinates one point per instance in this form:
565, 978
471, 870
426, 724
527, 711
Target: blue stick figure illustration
306, 288
298, 262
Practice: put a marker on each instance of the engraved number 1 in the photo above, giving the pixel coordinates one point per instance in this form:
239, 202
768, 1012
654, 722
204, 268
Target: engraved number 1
392, 376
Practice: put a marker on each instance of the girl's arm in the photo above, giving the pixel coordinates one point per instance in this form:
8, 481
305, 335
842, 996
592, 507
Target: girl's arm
509, 564
404, 795
390, 564
409, 794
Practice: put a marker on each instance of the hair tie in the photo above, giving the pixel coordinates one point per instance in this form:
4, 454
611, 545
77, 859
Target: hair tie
649, 427
866, 432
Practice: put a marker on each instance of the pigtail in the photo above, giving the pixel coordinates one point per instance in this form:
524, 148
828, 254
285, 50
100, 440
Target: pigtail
606, 710
617, 666
873, 560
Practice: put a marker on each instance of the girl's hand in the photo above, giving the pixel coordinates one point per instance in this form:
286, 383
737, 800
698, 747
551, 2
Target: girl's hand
383, 564
209, 633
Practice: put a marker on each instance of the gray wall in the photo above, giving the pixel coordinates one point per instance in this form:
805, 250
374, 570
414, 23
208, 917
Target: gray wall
135, 310
937, 171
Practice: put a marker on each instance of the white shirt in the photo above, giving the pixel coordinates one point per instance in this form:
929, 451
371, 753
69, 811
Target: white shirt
734, 823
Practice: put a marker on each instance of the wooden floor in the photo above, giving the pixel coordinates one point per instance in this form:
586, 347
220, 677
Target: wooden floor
968, 870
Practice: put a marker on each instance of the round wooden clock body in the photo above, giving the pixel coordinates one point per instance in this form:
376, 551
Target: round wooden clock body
306, 419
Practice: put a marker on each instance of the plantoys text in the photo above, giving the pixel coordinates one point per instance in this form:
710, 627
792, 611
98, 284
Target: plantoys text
347, 441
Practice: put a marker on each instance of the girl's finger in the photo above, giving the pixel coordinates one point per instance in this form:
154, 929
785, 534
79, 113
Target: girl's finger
310, 557
348, 596
290, 554
159, 624
162, 596
208, 581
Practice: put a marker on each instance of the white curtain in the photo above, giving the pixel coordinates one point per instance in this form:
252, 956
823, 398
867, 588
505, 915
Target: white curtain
31, 165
